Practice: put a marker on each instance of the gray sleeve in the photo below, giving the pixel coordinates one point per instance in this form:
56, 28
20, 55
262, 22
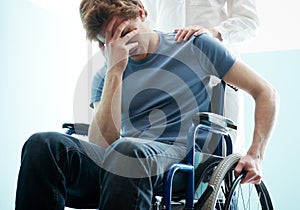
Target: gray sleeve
220, 58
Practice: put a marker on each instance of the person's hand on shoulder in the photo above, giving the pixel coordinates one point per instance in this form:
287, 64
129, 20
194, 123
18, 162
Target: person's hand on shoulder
183, 34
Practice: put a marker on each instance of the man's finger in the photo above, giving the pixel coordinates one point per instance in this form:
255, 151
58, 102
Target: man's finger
129, 35
238, 169
109, 29
120, 28
251, 177
131, 45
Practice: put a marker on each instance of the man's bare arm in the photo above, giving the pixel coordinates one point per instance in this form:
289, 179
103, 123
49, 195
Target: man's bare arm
266, 109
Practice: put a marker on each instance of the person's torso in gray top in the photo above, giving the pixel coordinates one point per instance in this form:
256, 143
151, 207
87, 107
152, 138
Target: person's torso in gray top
161, 92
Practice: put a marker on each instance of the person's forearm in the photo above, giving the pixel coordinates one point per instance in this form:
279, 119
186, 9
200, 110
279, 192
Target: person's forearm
266, 108
106, 124
242, 22
236, 30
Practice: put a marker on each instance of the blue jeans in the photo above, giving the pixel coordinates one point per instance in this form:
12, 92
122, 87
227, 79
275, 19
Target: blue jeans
59, 170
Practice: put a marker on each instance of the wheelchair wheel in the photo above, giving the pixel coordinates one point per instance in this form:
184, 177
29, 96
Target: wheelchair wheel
229, 194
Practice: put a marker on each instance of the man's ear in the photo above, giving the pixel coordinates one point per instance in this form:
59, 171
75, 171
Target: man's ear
142, 13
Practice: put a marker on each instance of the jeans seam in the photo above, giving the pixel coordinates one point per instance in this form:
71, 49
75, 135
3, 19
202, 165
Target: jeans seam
59, 176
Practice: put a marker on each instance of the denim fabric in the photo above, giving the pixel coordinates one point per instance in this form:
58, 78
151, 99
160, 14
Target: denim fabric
58, 170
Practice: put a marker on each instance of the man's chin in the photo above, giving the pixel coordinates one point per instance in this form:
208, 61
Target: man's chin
136, 55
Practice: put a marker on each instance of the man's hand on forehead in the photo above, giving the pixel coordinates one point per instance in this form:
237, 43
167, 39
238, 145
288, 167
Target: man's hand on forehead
115, 27
115, 41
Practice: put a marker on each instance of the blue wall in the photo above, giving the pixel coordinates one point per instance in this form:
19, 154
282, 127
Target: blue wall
281, 164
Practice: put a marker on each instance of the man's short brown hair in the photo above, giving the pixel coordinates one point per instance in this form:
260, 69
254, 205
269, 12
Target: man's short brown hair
94, 13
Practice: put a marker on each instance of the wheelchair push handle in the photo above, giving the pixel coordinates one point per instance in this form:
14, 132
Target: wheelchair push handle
76, 128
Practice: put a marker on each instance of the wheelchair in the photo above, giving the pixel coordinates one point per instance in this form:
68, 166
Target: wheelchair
212, 184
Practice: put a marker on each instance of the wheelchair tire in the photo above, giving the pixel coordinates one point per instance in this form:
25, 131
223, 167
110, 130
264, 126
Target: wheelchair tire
229, 194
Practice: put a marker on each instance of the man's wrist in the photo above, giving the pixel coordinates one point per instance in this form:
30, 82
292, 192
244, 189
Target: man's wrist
255, 153
115, 71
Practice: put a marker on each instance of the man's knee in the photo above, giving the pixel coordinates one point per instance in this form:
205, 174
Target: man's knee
127, 158
35, 142
39, 143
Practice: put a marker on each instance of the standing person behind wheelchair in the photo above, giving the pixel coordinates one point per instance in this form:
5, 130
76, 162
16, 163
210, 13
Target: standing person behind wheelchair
144, 102
229, 21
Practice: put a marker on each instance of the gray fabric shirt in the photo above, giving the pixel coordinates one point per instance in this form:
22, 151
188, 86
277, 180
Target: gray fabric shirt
163, 91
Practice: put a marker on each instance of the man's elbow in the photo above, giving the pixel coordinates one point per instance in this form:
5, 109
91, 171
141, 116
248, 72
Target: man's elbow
275, 97
271, 94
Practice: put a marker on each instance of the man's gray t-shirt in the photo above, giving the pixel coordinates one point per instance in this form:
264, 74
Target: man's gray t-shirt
162, 92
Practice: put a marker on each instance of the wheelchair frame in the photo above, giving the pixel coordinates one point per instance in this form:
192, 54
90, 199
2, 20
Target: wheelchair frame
222, 167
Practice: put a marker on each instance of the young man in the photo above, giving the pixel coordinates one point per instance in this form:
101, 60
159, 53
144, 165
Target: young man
144, 101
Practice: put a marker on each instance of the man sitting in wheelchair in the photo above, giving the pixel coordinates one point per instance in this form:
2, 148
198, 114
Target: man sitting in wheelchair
143, 99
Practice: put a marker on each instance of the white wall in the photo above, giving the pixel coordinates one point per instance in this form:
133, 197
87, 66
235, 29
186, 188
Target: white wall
42, 55
279, 27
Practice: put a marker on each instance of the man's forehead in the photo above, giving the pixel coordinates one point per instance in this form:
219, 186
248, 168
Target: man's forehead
116, 21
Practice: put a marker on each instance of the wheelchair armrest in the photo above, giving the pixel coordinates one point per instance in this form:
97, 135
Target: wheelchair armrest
76, 128
214, 122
